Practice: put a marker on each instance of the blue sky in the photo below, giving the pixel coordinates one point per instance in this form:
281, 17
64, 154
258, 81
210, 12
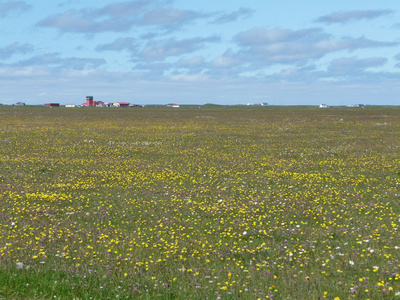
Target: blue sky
194, 52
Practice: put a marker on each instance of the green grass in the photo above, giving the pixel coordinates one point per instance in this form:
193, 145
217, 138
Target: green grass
214, 202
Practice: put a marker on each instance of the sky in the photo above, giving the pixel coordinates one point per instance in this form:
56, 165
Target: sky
286, 52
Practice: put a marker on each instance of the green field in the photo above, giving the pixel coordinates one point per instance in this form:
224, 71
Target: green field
199, 203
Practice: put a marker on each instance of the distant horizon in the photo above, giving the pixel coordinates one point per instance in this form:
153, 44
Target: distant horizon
205, 104
280, 52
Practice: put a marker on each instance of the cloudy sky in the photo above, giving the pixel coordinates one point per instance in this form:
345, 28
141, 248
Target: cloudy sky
285, 52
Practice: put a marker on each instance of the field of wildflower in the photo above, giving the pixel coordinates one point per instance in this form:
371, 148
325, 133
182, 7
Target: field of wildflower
199, 203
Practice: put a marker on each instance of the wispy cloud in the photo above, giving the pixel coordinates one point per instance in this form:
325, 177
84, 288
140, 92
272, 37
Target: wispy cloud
226, 60
120, 17
344, 69
242, 12
353, 15
352, 65
13, 7
159, 50
53, 60
169, 17
191, 63
128, 43
15, 48
397, 57
86, 22
125, 9
263, 36
261, 46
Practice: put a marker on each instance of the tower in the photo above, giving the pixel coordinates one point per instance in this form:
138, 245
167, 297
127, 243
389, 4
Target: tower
89, 101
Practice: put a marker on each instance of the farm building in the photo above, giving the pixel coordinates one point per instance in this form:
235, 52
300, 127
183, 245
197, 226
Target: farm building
120, 104
91, 103
52, 104
356, 105
173, 105
99, 104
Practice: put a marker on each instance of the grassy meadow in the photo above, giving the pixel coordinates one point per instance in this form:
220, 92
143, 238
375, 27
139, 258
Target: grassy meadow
199, 203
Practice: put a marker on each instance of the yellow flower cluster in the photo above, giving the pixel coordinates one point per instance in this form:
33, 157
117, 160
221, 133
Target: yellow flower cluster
233, 201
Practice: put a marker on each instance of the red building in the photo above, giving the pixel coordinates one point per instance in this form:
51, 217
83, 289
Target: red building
52, 104
89, 101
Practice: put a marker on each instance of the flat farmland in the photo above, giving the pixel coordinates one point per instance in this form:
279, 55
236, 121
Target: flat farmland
199, 203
